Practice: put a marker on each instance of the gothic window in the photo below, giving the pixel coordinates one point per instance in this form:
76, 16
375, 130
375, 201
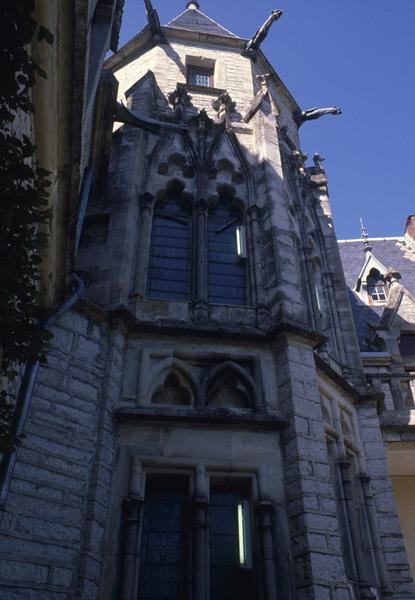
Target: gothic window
169, 259
167, 542
230, 544
200, 76
227, 277
162, 571
376, 287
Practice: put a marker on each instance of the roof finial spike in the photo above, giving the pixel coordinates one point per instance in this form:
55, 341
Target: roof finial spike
365, 236
193, 5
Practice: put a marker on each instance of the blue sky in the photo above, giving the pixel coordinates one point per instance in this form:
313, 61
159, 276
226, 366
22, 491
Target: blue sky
356, 54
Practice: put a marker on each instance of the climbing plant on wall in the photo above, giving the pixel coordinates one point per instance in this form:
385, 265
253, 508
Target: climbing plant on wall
23, 204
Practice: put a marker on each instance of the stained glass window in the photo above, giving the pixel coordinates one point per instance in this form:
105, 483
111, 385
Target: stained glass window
227, 280
169, 260
230, 572
162, 571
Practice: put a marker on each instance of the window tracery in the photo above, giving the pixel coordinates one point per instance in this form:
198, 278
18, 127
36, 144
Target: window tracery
197, 252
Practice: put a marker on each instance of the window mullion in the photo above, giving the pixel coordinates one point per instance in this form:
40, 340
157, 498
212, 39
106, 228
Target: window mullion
200, 580
200, 262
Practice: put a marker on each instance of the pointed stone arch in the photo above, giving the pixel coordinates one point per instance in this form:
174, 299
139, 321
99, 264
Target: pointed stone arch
176, 188
227, 156
172, 382
228, 385
169, 158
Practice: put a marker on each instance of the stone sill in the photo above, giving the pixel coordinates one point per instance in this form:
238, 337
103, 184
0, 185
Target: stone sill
379, 359
228, 417
202, 89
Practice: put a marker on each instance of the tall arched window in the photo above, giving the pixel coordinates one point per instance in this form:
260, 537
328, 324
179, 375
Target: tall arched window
227, 278
169, 259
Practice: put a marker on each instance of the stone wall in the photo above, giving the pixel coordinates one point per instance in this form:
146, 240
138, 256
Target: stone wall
50, 545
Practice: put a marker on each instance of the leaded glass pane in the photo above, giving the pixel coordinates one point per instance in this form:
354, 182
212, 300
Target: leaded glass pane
169, 260
163, 539
200, 76
227, 280
228, 580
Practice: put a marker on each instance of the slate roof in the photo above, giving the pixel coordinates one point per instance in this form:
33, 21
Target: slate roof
393, 253
194, 20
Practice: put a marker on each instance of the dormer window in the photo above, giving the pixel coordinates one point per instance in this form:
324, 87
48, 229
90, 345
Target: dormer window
377, 288
200, 76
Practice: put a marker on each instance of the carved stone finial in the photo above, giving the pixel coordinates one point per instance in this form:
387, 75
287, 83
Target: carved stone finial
263, 79
180, 97
193, 5
224, 106
392, 276
180, 100
255, 43
297, 160
318, 159
315, 113
365, 237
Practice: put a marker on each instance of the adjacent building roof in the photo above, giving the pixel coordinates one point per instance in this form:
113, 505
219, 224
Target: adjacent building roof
194, 20
394, 253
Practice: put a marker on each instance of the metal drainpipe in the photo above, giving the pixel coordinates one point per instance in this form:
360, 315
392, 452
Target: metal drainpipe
27, 386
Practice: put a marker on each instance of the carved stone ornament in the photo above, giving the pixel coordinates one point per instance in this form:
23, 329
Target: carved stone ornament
318, 160
202, 120
224, 103
259, 96
180, 97
254, 44
392, 276
153, 20
128, 117
315, 113
224, 106
298, 159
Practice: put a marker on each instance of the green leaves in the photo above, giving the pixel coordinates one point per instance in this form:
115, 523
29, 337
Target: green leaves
44, 34
23, 206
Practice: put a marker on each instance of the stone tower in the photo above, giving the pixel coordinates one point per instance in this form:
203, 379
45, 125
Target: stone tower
208, 433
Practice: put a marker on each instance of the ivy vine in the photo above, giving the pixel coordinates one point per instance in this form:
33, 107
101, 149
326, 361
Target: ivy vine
23, 206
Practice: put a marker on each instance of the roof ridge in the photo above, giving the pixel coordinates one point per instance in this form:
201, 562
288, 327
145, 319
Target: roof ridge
195, 10
215, 22
399, 238
178, 16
